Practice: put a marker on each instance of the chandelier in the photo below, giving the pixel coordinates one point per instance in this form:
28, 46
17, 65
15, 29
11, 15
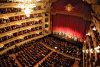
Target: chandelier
27, 6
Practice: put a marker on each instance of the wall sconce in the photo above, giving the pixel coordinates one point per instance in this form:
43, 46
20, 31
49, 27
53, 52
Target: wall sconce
94, 28
88, 34
96, 49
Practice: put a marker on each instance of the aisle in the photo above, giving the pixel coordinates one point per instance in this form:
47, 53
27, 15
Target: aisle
14, 57
59, 52
76, 64
43, 59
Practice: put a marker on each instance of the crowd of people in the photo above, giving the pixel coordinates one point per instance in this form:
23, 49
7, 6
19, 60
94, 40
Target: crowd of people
6, 61
32, 55
20, 33
19, 25
57, 60
20, 40
18, 18
62, 46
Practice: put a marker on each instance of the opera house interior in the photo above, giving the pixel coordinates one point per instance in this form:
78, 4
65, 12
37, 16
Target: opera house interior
49, 33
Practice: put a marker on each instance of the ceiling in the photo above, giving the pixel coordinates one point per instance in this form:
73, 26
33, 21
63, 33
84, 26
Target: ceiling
79, 8
95, 5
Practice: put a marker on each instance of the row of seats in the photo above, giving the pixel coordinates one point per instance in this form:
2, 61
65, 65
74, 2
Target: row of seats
20, 17
57, 60
14, 10
17, 26
19, 48
9, 10
20, 40
31, 55
20, 33
62, 46
6, 61
15, 1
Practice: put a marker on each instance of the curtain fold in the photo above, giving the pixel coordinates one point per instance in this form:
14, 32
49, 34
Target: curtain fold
70, 25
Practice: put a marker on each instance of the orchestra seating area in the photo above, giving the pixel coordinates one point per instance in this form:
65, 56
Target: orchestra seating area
31, 53
57, 60
62, 46
6, 61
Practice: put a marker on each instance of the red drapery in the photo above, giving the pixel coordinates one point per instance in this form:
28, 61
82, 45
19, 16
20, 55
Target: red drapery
70, 25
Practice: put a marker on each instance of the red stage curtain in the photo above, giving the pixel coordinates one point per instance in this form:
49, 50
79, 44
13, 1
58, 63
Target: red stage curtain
71, 25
